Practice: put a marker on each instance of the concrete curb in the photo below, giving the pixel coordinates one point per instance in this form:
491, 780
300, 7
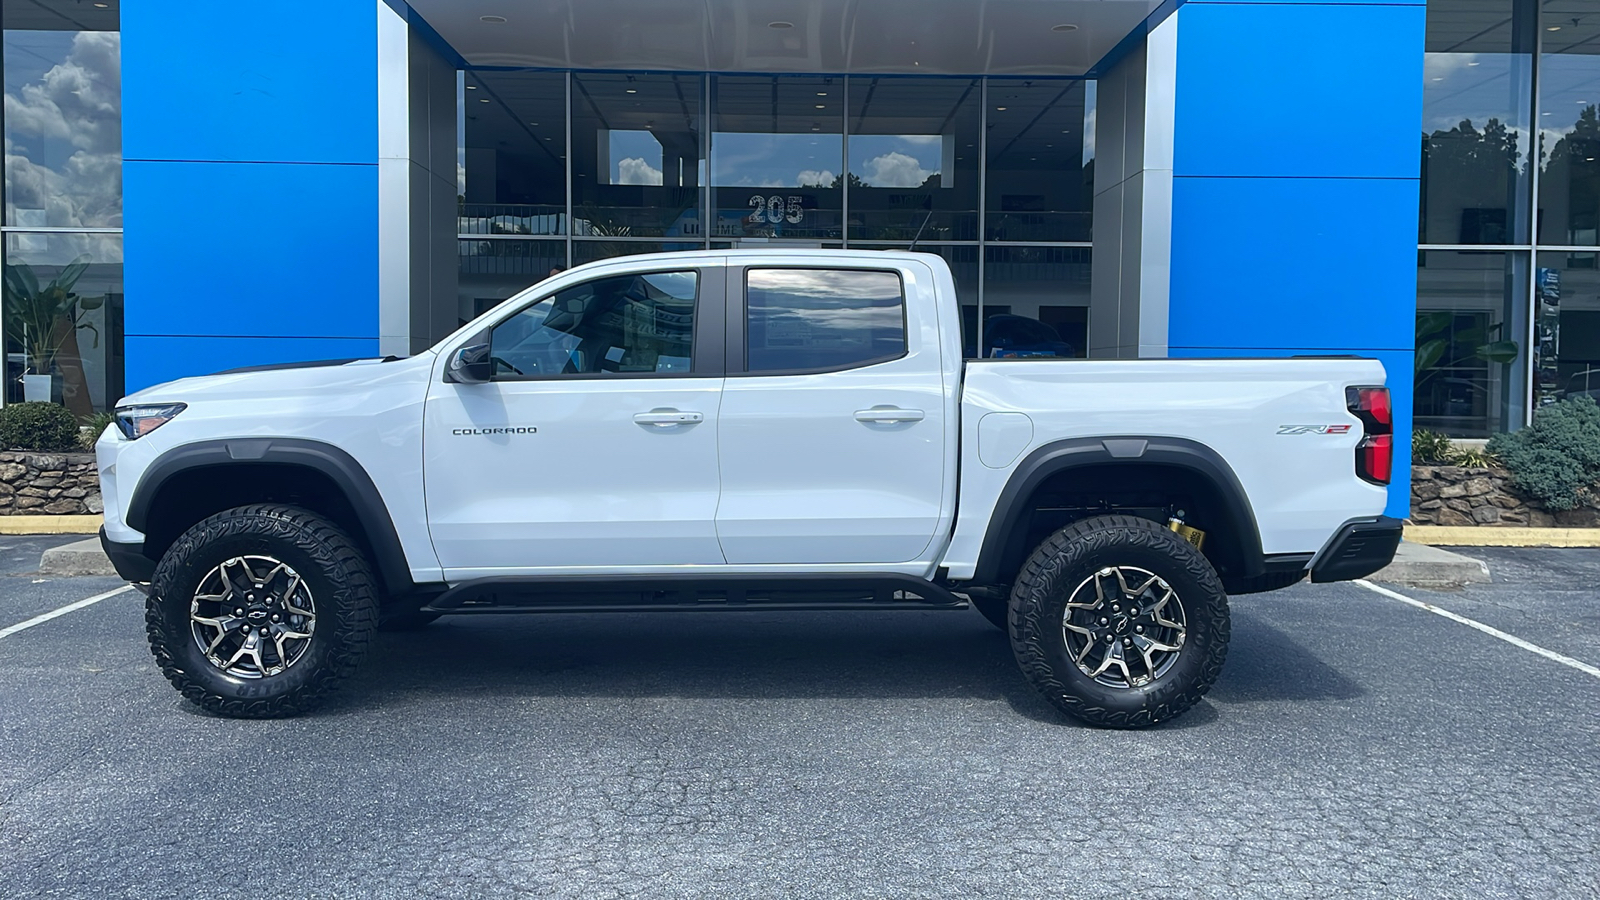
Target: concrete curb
1489, 536
51, 524
1418, 565
76, 558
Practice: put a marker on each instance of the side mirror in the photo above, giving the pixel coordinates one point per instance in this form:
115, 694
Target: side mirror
469, 365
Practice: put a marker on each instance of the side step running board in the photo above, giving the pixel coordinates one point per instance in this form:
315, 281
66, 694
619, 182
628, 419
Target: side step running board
680, 593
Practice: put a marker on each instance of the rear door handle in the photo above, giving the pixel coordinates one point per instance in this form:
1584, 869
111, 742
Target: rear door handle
666, 418
889, 415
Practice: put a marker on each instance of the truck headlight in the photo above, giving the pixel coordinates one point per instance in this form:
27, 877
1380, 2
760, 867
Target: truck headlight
137, 421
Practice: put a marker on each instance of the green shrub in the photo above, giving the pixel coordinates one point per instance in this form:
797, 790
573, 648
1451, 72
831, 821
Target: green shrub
1556, 459
1474, 458
1430, 448
38, 426
94, 426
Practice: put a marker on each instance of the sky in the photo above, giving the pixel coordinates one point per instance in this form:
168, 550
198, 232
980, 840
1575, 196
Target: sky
63, 128
1483, 86
786, 160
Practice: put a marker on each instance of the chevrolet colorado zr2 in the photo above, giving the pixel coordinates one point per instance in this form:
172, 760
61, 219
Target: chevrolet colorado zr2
741, 430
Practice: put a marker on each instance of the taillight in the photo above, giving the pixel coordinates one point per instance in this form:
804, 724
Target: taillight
1375, 452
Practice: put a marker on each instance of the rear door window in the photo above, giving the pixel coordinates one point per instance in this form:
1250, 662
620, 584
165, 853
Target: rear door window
807, 320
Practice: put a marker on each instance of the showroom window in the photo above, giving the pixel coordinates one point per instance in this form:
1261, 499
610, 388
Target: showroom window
1470, 325
1040, 187
777, 157
62, 223
993, 174
636, 156
1510, 93
914, 158
1476, 112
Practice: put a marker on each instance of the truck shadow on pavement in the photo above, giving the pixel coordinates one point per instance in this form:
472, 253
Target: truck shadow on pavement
1265, 665
841, 655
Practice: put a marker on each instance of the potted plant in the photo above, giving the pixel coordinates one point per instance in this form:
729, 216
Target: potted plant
45, 320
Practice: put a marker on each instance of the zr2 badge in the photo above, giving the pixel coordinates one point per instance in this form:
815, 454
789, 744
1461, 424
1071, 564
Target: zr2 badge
1313, 429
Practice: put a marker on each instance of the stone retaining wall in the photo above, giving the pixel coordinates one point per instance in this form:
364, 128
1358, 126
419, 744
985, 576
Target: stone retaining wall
1451, 495
60, 484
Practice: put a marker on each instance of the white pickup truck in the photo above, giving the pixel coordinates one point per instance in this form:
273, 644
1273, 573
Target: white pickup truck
741, 430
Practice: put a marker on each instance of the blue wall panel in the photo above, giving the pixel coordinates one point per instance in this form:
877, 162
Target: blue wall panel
1297, 89
152, 360
1329, 263
290, 81
250, 184
1294, 202
296, 256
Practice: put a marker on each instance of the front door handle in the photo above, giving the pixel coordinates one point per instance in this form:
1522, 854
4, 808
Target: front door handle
888, 415
667, 418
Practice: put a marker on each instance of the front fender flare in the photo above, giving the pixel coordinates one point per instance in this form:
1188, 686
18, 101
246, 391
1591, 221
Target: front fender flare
341, 468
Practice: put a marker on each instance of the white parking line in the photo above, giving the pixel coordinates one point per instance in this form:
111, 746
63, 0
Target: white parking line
54, 613
1492, 632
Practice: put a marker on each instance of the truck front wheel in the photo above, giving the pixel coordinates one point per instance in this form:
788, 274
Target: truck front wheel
260, 611
1119, 622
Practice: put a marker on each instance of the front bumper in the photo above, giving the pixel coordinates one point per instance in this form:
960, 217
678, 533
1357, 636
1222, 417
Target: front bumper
1359, 548
128, 559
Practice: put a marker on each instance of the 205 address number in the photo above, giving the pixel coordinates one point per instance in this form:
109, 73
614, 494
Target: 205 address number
776, 209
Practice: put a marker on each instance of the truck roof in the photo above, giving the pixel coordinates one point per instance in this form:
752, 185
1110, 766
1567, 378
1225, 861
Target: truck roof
778, 250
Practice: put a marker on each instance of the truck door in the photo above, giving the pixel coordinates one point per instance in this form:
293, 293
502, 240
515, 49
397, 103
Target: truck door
594, 443
832, 432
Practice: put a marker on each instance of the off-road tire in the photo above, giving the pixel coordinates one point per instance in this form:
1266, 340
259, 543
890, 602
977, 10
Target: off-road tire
1061, 563
334, 571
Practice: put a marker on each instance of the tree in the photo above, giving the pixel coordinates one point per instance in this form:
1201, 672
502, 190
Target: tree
1475, 170
1575, 161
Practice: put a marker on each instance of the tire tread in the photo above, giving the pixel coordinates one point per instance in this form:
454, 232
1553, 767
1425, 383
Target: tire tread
1040, 577
330, 549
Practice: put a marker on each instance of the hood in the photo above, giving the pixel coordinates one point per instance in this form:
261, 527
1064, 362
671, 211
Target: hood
283, 379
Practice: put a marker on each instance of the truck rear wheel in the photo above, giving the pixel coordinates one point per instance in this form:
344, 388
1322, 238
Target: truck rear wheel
260, 611
1119, 622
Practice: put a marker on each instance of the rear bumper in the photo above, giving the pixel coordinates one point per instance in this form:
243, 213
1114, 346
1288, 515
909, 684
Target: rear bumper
1359, 548
128, 559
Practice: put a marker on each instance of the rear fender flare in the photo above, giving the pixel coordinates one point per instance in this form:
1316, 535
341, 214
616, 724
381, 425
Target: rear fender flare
1010, 511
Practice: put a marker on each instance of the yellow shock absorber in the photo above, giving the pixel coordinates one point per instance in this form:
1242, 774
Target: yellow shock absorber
1193, 535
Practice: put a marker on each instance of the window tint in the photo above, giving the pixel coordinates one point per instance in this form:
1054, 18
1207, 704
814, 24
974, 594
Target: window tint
624, 325
822, 318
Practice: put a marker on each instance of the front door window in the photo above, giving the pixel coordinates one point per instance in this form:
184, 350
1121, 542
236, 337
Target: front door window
636, 324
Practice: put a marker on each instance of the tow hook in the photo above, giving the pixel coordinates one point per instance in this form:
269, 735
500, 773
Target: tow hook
1193, 535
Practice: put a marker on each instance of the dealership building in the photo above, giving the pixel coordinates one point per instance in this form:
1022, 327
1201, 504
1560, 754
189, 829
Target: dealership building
207, 186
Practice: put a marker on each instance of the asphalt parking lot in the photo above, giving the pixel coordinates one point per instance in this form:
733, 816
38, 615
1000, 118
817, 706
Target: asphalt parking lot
1355, 746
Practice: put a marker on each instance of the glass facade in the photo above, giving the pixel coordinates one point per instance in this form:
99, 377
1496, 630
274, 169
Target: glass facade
994, 174
62, 190
1504, 289
1470, 320
558, 168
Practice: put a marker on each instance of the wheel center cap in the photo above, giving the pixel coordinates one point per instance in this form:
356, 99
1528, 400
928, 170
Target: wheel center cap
1122, 625
256, 615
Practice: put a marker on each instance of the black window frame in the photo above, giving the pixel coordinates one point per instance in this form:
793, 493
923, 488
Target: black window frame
738, 324
706, 341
